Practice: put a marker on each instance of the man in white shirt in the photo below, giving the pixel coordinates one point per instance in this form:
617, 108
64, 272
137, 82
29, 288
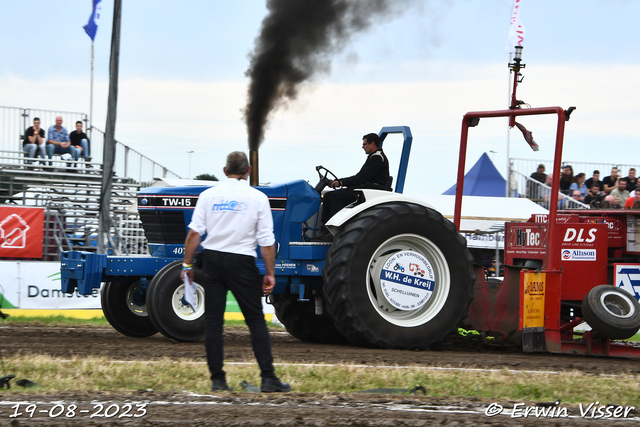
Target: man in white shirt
236, 218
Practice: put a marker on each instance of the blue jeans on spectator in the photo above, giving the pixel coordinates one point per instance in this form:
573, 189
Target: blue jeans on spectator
31, 149
56, 149
85, 148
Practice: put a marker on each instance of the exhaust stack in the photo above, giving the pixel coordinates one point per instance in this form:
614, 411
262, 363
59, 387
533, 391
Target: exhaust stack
254, 178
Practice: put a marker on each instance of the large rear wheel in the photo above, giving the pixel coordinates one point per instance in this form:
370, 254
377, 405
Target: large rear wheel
168, 310
125, 308
398, 275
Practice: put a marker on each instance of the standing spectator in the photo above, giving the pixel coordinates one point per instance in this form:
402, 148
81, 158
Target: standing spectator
235, 218
533, 190
610, 182
632, 181
59, 142
80, 140
566, 179
594, 195
621, 190
594, 178
34, 141
578, 184
632, 200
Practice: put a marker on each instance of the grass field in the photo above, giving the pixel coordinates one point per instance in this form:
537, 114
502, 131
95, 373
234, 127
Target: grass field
54, 374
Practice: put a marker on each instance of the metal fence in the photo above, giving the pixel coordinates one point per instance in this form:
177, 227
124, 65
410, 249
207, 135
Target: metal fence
520, 181
541, 193
130, 163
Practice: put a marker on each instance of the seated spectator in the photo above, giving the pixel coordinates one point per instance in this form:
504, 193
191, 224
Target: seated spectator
545, 193
80, 140
632, 181
621, 191
34, 141
611, 202
59, 143
578, 184
610, 182
594, 178
632, 200
594, 195
491, 271
566, 179
533, 190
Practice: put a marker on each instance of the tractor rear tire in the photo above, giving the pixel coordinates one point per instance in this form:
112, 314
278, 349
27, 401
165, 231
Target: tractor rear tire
612, 312
301, 321
124, 307
168, 311
372, 310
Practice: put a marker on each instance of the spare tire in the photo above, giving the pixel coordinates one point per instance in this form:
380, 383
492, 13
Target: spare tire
398, 275
612, 312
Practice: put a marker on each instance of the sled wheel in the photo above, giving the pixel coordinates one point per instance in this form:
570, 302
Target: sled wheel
302, 322
168, 310
124, 307
612, 312
374, 305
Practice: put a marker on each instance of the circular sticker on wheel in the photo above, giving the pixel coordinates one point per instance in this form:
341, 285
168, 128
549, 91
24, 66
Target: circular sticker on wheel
407, 280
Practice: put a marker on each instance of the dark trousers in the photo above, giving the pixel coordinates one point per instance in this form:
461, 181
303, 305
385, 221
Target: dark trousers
222, 272
334, 201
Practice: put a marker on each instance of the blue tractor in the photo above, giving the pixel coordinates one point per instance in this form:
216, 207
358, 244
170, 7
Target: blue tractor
357, 289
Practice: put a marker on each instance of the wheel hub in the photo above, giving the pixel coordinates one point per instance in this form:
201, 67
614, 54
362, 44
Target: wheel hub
136, 300
618, 305
407, 298
184, 310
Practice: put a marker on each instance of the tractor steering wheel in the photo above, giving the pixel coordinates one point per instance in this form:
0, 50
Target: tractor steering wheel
324, 180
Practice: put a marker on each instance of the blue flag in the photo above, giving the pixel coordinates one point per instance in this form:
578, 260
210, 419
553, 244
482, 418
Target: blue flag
92, 26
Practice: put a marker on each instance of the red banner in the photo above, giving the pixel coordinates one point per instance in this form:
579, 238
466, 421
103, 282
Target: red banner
21, 232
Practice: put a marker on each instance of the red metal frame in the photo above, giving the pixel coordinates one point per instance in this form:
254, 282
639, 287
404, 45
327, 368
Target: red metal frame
495, 308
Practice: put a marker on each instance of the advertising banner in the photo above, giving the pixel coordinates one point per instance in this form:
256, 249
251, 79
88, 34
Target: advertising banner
21, 232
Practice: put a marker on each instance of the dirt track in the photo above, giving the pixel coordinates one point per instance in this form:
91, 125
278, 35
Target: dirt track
283, 410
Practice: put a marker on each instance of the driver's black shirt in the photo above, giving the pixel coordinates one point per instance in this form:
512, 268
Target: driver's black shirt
374, 171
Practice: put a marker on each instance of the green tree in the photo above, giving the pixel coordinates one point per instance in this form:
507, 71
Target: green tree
206, 177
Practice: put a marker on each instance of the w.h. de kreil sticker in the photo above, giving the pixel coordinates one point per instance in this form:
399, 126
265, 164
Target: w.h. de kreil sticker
407, 280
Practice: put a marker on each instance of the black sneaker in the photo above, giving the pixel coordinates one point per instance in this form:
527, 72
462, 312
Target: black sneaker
270, 385
220, 385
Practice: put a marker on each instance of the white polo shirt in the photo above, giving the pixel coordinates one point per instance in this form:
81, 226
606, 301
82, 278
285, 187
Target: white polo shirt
235, 216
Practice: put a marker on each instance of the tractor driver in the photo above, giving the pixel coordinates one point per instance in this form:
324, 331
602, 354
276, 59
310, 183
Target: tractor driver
374, 174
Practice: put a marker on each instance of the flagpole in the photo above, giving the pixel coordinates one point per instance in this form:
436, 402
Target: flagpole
91, 96
508, 186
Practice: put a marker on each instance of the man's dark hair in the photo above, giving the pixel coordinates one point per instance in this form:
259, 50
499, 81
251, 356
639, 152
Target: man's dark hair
372, 137
596, 172
632, 169
625, 180
36, 118
237, 163
595, 184
79, 121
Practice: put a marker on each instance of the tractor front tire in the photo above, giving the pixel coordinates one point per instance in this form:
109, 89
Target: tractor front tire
124, 307
168, 310
612, 312
377, 305
301, 321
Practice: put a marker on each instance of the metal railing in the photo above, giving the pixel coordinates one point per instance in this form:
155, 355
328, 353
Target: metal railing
132, 163
531, 165
541, 193
14, 121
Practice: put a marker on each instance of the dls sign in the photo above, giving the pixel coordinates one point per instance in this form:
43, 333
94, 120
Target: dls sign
21, 232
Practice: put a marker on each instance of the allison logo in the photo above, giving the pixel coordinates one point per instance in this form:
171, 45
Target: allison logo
579, 255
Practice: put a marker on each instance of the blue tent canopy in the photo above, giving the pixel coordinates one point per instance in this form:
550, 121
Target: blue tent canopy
482, 180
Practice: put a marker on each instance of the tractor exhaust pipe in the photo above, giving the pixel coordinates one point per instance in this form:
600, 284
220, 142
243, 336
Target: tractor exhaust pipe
255, 170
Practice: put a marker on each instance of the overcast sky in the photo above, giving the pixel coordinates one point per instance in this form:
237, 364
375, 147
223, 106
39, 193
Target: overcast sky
182, 82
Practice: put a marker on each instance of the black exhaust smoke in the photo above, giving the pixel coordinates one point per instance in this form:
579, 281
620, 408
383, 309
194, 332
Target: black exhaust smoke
296, 41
